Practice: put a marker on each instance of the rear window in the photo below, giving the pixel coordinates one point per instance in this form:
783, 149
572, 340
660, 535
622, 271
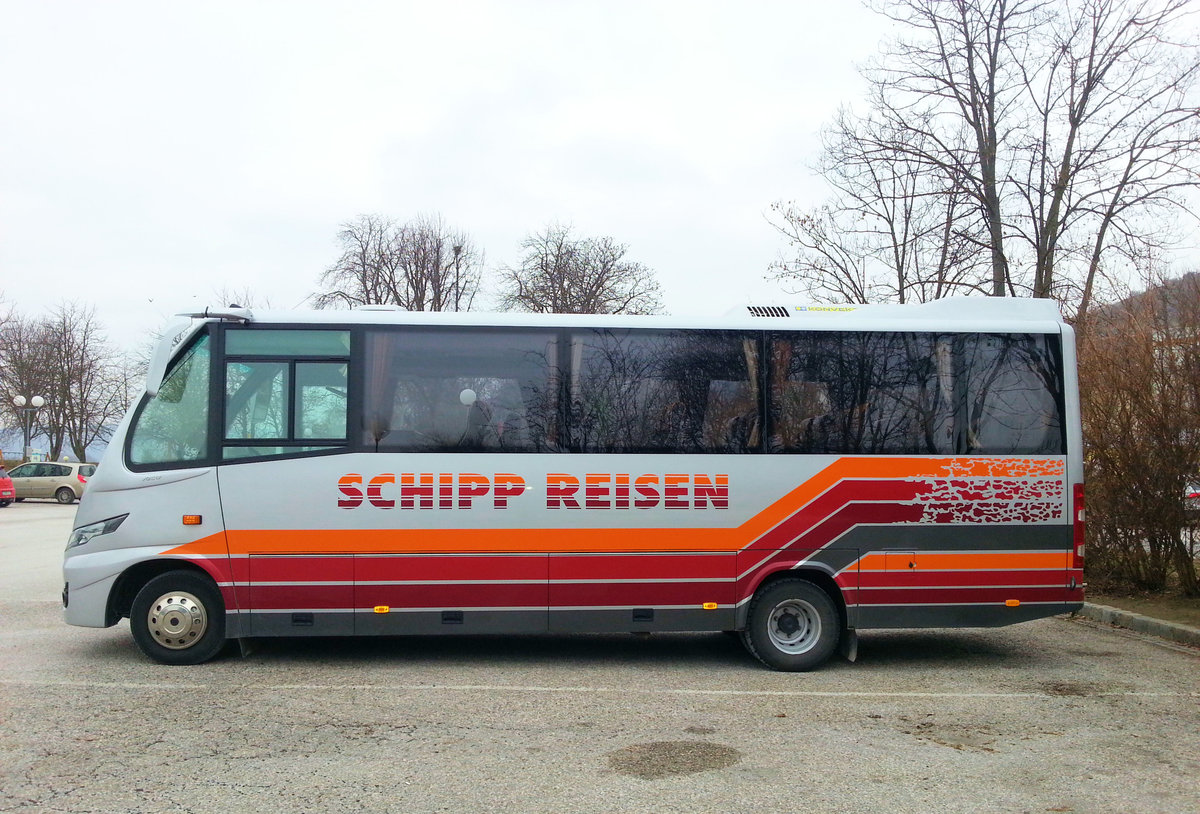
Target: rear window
87, 470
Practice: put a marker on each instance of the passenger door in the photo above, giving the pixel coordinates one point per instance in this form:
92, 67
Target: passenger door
283, 413
53, 476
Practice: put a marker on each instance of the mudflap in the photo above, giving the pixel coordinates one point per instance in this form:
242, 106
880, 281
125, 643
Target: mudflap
848, 644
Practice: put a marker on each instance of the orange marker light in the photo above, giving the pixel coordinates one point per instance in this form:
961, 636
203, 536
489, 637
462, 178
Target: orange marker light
1012, 603
192, 519
382, 608
710, 606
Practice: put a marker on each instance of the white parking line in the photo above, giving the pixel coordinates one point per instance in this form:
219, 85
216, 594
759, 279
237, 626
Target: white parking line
495, 688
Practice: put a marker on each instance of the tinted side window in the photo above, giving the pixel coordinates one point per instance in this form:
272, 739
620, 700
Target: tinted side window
462, 389
1013, 394
664, 391
862, 392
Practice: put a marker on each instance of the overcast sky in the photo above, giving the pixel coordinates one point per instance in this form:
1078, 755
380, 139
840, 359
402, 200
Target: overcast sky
152, 154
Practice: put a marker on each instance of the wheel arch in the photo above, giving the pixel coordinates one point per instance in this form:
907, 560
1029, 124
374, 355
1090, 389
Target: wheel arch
813, 573
135, 577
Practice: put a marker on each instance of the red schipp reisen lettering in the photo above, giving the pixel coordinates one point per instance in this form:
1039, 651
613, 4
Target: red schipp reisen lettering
429, 490
622, 490
596, 491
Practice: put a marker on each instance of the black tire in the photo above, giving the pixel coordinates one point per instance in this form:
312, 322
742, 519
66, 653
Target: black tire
64, 495
179, 618
793, 625
4, 503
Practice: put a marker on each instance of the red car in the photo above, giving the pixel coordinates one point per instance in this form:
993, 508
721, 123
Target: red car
8, 492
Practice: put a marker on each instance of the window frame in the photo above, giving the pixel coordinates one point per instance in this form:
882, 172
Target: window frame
289, 446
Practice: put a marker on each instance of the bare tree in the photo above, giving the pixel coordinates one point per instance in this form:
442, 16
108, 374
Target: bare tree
1068, 128
562, 274
1118, 137
23, 364
88, 393
422, 265
66, 359
955, 81
893, 232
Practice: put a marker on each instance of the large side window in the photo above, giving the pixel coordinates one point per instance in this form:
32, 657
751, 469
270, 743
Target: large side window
1013, 394
664, 391
462, 389
172, 427
285, 391
912, 393
862, 392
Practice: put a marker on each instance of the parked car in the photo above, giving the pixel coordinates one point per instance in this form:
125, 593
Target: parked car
7, 492
1191, 501
63, 481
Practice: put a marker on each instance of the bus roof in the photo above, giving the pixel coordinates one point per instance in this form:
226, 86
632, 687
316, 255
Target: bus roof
950, 314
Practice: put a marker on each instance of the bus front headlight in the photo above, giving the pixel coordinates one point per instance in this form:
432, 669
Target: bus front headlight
86, 533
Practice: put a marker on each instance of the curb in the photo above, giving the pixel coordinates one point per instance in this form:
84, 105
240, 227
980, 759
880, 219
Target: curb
1171, 631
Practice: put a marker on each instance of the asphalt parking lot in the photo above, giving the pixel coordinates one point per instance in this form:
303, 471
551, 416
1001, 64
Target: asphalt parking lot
1056, 715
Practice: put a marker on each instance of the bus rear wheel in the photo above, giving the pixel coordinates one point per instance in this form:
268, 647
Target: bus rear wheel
793, 626
179, 618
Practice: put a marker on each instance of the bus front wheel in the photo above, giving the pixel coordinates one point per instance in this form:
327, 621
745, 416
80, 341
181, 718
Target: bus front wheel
793, 625
179, 618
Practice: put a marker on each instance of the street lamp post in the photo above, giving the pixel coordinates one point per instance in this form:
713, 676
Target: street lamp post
457, 289
34, 404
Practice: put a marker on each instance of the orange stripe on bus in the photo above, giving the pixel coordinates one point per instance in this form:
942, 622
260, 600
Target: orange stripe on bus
972, 561
479, 540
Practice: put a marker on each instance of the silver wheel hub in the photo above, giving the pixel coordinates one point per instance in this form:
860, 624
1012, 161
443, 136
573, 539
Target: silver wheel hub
794, 626
177, 620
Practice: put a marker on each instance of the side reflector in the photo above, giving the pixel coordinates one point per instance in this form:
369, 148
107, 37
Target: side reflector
192, 519
383, 608
1013, 603
710, 605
